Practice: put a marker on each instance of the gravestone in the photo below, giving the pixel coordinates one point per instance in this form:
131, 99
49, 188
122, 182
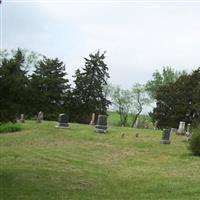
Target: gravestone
173, 130
22, 120
101, 126
165, 136
188, 130
40, 117
181, 129
187, 134
63, 121
92, 120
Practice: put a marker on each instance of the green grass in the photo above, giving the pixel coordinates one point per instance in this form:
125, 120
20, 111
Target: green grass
9, 127
44, 162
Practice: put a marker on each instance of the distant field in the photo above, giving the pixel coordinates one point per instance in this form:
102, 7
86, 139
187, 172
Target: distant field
43, 162
114, 119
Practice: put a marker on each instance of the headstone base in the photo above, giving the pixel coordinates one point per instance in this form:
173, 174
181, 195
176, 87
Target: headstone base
98, 130
62, 125
180, 133
165, 142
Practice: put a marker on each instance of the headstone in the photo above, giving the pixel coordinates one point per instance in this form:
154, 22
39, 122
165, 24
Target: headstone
101, 126
136, 125
40, 117
63, 121
22, 120
173, 130
92, 120
188, 130
181, 129
165, 136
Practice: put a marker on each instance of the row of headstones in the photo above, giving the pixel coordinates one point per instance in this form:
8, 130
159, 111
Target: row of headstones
181, 131
63, 121
101, 126
40, 117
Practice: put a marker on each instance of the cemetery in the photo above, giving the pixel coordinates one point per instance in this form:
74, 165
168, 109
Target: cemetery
78, 143
45, 162
99, 100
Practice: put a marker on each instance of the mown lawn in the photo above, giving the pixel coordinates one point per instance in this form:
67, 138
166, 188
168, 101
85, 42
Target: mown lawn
43, 162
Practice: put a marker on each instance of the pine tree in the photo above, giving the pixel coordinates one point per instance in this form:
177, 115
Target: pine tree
88, 96
13, 87
49, 88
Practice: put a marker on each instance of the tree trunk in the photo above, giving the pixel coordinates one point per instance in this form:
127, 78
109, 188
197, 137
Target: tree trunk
134, 120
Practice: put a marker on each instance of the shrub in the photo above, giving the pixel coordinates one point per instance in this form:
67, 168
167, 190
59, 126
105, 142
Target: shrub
9, 127
195, 142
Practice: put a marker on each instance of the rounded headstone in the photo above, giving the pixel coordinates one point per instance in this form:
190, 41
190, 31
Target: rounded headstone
63, 121
40, 117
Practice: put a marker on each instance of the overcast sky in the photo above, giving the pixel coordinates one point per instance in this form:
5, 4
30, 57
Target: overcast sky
138, 37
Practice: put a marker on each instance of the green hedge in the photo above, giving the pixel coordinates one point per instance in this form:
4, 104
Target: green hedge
9, 127
195, 142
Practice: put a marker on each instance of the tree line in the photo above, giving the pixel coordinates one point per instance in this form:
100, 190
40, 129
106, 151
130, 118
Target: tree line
30, 82
48, 89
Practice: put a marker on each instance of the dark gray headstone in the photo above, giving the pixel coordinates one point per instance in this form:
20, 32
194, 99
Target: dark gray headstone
165, 136
63, 121
101, 126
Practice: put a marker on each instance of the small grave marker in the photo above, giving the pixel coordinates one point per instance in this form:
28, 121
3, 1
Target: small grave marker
40, 117
92, 120
22, 120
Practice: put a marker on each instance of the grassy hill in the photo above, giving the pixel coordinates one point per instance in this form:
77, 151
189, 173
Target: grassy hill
43, 162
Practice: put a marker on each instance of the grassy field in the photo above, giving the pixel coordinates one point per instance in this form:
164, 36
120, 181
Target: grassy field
43, 162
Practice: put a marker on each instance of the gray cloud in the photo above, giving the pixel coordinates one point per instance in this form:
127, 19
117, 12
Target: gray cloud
138, 38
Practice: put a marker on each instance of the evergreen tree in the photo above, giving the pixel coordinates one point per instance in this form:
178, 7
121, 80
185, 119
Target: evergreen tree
49, 88
178, 101
13, 87
88, 95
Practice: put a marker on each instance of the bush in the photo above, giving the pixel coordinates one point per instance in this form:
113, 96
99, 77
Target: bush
9, 127
195, 142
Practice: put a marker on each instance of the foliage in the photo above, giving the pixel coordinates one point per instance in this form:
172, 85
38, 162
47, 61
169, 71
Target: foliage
49, 88
88, 95
144, 120
13, 86
9, 127
139, 98
166, 77
195, 142
121, 100
178, 101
